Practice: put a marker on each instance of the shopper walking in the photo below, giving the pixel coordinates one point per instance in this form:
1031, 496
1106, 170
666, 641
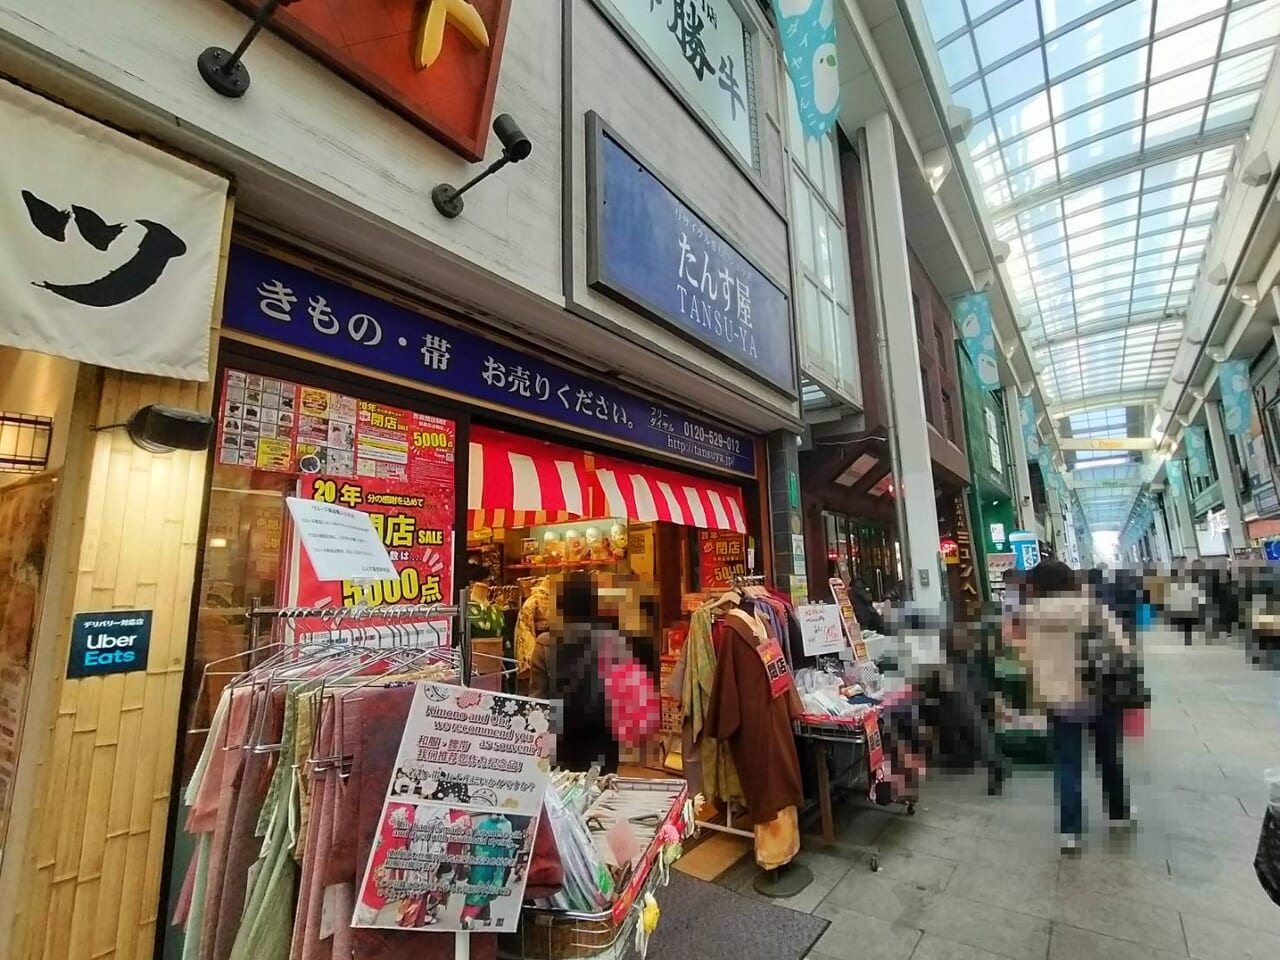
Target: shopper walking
1067, 636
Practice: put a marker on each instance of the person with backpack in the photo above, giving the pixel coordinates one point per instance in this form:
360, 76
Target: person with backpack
607, 697
1085, 673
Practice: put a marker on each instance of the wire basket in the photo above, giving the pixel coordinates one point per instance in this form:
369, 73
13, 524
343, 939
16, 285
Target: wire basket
550, 934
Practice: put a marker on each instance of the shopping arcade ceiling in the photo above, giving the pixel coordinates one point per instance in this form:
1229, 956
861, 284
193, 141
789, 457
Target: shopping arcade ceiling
1103, 138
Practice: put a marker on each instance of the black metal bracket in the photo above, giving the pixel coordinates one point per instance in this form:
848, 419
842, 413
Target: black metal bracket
222, 69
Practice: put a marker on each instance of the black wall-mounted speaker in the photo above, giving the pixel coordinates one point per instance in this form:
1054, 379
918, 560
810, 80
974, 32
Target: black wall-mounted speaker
159, 428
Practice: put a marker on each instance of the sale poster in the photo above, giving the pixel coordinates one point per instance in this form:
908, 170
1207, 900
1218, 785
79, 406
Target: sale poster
455, 837
821, 630
283, 427
840, 593
721, 557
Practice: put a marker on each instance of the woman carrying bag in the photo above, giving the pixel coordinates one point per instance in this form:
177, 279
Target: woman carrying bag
1086, 674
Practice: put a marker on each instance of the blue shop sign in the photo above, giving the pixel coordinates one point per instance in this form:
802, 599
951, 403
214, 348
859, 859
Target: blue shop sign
113, 641
651, 252
1026, 549
279, 301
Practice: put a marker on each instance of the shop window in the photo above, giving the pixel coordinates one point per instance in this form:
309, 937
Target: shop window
926, 388
948, 417
993, 440
940, 345
820, 252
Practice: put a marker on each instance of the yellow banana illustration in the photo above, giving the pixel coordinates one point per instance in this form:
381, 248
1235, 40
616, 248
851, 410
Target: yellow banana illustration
464, 16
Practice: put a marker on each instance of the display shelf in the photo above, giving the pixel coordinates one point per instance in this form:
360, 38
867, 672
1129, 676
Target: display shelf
571, 565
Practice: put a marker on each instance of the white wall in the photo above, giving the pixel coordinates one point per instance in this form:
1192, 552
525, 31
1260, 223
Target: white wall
318, 159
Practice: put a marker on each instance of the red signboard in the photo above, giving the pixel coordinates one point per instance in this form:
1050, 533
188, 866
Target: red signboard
721, 557
433, 61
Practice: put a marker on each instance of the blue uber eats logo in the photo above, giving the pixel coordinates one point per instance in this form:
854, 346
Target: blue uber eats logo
113, 641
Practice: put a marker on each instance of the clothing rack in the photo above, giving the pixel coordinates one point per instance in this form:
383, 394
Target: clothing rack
739, 582
258, 615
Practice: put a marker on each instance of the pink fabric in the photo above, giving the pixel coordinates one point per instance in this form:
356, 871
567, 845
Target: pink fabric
229, 782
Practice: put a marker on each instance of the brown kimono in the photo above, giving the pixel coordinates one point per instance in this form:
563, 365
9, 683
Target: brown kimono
756, 725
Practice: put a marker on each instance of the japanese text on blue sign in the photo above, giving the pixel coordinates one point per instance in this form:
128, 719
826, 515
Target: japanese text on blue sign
279, 301
654, 254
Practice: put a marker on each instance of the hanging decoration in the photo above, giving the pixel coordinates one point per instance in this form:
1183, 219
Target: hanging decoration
807, 29
973, 315
1030, 435
1197, 451
1177, 482
1237, 396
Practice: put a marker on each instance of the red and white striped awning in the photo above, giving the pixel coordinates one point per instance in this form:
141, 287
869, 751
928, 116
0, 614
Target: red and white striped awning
518, 482
646, 493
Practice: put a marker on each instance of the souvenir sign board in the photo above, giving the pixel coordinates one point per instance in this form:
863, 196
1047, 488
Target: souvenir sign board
852, 630
455, 837
821, 629
435, 62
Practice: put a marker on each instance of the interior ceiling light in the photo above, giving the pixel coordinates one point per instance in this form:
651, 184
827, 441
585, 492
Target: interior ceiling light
1198, 394
1258, 172
937, 165
984, 279
1218, 275
1246, 293
999, 251
1217, 355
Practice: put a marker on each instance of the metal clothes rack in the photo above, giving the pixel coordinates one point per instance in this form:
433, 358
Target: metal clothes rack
259, 616
738, 582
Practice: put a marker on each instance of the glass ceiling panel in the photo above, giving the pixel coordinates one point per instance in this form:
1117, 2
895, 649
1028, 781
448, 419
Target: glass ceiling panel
1103, 130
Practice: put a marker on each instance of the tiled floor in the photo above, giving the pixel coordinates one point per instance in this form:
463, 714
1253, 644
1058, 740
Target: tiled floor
977, 878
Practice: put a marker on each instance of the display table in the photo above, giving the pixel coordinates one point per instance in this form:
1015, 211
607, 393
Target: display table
827, 739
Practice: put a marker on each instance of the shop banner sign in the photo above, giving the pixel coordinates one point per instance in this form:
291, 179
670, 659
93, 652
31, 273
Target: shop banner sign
1026, 549
117, 269
278, 301
973, 315
703, 46
651, 252
113, 641
1197, 451
807, 29
821, 629
853, 631
1030, 432
721, 557
1237, 396
455, 837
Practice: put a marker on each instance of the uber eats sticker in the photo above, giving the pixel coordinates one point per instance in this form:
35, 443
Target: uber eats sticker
114, 641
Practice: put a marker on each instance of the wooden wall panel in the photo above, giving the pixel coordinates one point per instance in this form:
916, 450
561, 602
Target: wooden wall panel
98, 838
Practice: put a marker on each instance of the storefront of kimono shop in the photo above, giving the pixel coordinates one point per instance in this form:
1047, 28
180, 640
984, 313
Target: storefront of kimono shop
489, 473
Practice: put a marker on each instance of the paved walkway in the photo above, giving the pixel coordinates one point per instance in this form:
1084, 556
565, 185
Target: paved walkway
977, 878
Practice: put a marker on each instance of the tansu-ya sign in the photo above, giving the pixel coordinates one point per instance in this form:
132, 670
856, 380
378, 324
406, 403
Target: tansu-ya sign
435, 62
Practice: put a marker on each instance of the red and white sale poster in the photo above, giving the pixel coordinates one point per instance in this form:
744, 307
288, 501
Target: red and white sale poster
413, 509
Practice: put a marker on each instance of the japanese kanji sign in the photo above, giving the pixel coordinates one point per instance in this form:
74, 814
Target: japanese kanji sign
721, 557
651, 252
279, 301
433, 61
703, 46
117, 269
